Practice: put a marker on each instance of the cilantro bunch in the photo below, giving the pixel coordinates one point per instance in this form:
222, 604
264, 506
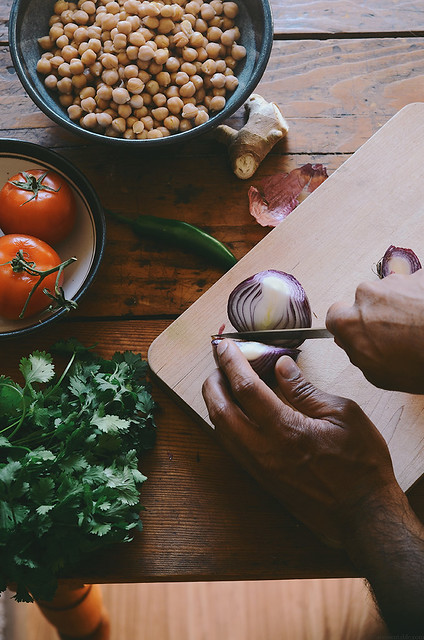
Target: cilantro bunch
69, 449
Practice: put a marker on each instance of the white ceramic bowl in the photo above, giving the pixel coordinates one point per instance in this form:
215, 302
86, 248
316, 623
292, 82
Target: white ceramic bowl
85, 242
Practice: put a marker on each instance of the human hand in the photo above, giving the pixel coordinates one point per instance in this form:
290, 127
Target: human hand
383, 331
322, 459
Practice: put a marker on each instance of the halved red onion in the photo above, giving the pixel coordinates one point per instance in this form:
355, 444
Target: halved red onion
262, 357
398, 260
269, 300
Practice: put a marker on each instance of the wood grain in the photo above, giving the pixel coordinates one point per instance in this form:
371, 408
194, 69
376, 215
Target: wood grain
295, 609
336, 227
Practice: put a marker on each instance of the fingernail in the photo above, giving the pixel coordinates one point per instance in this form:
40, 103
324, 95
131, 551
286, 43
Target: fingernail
288, 368
221, 347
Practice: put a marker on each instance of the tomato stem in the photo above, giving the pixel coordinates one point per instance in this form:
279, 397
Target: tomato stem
32, 183
20, 263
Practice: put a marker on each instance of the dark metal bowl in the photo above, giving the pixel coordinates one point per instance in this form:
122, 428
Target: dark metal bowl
29, 21
86, 241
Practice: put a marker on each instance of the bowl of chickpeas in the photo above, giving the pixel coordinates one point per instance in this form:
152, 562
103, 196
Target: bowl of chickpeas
140, 71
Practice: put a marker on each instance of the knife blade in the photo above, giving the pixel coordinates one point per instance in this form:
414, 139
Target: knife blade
272, 336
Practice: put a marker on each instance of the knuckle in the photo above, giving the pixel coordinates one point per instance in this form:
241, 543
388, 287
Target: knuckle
218, 412
347, 410
243, 386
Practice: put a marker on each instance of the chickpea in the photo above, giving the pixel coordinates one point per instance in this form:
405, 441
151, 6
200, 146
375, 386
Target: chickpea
201, 26
74, 112
152, 87
163, 79
188, 68
150, 22
89, 57
120, 41
172, 64
187, 90
138, 127
55, 32
136, 101
161, 56
76, 66
154, 68
135, 85
218, 80
120, 95
124, 110
165, 26
172, 123
172, 91
134, 22
79, 81
217, 103
60, 6
238, 52
154, 133
231, 83
175, 105
132, 52
189, 111
113, 7
64, 85
89, 7
217, 5
131, 6
160, 113
50, 81
109, 61
185, 125
214, 34
228, 37
230, 9
104, 119
202, 55
220, 66
146, 53
197, 81
147, 98
109, 22
110, 76
212, 49
201, 117
181, 78
104, 92
44, 66
119, 125
230, 62
141, 113
80, 17
66, 99
56, 61
196, 40
88, 104
180, 40
148, 122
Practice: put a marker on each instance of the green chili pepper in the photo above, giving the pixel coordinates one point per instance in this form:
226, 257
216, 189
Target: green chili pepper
182, 234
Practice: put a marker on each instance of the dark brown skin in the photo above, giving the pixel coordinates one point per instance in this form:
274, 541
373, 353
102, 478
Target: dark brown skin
383, 331
328, 464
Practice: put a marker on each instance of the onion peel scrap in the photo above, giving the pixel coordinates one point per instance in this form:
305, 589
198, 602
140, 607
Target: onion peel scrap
277, 196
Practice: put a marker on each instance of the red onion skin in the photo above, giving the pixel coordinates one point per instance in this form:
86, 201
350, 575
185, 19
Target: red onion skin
264, 365
244, 299
383, 266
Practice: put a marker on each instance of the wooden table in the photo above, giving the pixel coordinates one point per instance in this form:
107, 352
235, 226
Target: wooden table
338, 70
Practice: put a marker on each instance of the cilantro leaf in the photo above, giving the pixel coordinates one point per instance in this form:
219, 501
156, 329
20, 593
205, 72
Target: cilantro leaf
38, 367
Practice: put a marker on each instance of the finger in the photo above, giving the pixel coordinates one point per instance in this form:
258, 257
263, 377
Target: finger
303, 395
258, 401
239, 435
337, 315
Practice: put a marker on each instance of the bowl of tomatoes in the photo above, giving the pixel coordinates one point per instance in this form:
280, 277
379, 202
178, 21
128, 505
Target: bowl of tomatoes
52, 237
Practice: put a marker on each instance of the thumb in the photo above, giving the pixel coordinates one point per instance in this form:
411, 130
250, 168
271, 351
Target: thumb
301, 393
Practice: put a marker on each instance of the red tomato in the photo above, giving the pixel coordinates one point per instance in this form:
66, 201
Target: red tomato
15, 286
37, 203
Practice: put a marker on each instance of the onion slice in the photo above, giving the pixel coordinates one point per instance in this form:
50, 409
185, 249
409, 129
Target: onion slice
269, 300
262, 357
398, 260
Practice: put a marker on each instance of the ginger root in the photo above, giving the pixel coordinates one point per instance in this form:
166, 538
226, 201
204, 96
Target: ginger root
249, 146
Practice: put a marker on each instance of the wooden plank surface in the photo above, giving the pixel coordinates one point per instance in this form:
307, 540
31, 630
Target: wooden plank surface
335, 94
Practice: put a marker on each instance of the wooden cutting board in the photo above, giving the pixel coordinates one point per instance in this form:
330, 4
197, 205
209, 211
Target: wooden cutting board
330, 243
